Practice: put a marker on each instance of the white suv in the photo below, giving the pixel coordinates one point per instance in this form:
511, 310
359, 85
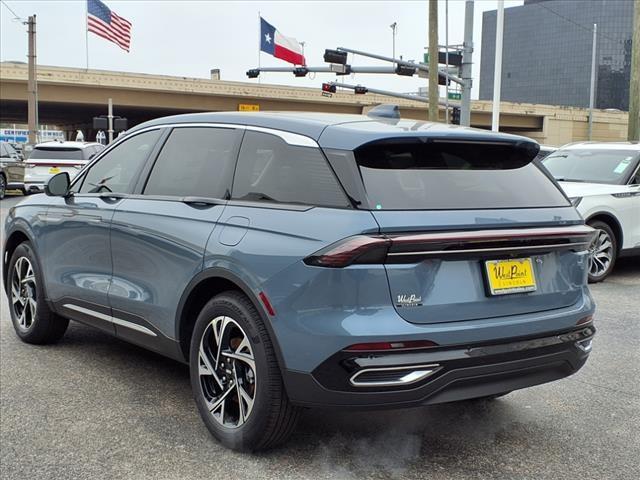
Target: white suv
603, 182
50, 158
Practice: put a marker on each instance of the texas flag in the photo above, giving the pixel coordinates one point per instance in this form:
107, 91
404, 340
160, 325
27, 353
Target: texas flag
276, 44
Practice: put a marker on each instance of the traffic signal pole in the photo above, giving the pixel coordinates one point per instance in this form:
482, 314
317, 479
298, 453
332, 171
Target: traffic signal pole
434, 93
634, 82
465, 69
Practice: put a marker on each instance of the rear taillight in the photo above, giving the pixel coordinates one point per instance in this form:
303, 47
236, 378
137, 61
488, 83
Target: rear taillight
415, 247
359, 249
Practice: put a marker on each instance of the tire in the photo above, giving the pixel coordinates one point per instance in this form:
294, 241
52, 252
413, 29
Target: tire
25, 293
3, 186
230, 319
604, 252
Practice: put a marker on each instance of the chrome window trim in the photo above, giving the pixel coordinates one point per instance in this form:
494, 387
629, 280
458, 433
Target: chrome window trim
290, 138
294, 139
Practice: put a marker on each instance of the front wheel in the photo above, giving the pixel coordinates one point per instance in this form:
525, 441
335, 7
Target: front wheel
33, 320
235, 378
604, 251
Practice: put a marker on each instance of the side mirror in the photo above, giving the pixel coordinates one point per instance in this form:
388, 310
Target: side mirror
58, 185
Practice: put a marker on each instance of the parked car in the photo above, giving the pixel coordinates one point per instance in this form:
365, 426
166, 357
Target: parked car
603, 182
11, 169
49, 158
297, 259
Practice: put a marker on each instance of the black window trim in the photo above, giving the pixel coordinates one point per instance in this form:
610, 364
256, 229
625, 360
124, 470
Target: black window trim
145, 173
79, 179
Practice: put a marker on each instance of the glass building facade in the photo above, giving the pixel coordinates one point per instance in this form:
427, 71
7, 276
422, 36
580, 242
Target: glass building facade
546, 55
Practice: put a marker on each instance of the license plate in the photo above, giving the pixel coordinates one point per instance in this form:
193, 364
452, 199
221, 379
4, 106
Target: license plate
54, 170
510, 276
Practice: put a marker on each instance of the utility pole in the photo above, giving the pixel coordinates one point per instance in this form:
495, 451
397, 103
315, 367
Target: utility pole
592, 85
32, 87
446, 59
634, 81
433, 61
110, 120
465, 69
497, 70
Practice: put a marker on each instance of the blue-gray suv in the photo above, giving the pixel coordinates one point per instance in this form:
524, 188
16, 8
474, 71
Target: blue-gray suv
297, 260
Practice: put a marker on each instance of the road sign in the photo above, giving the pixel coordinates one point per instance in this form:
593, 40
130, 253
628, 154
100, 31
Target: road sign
248, 107
455, 96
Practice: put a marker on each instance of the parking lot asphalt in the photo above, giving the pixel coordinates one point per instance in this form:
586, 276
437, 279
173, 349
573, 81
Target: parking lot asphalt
93, 406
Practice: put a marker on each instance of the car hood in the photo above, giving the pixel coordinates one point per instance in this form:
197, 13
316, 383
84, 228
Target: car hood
580, 189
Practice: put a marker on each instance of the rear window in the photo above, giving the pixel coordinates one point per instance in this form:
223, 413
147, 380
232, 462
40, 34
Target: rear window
592, 165
419, 175
56, 153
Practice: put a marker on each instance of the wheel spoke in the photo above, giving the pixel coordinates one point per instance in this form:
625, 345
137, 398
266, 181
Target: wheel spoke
33, 305
241, 414
207, 368
214, 405
15, 295
247, 398
220, 336
22, 318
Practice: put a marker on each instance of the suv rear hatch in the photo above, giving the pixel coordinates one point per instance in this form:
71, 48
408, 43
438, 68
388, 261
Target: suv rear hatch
471, 230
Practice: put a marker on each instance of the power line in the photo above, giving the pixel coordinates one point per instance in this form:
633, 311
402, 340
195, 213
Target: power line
17, 17
584, 27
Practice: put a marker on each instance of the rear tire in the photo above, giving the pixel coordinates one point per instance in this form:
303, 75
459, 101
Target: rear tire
604, 252
238, 391
33, 320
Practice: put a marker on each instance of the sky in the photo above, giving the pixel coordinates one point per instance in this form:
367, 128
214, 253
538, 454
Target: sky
189, 38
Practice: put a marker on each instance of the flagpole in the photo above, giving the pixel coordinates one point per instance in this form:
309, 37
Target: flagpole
259, 42
86, 30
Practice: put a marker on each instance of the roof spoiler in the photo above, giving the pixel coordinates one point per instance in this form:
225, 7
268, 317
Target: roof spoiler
385, 110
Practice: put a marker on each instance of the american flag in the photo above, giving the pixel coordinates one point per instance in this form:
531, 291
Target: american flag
102, 21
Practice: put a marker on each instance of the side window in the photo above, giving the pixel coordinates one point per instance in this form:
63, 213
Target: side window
195, 161
115, 171
269, 169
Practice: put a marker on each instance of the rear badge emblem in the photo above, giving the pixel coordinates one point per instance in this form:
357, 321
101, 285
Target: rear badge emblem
409, 300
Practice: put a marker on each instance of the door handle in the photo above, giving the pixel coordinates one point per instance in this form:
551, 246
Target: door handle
112, 196
202, 201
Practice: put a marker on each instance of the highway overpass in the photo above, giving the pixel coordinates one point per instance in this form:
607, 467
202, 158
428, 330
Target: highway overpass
71, 97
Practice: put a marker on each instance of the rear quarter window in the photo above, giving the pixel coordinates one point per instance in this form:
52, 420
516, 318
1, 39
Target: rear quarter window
270, 170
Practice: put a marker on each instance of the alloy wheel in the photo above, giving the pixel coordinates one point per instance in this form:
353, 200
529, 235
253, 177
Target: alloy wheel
227, 371
601, 254
24, 294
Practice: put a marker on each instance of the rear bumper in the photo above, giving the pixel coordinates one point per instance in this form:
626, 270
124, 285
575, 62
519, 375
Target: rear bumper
458, 373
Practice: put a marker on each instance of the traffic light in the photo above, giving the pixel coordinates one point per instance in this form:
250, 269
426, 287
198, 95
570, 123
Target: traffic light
359, 89
335, 56
405, 71
455, 116
300, 71
329, 87
253, 73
